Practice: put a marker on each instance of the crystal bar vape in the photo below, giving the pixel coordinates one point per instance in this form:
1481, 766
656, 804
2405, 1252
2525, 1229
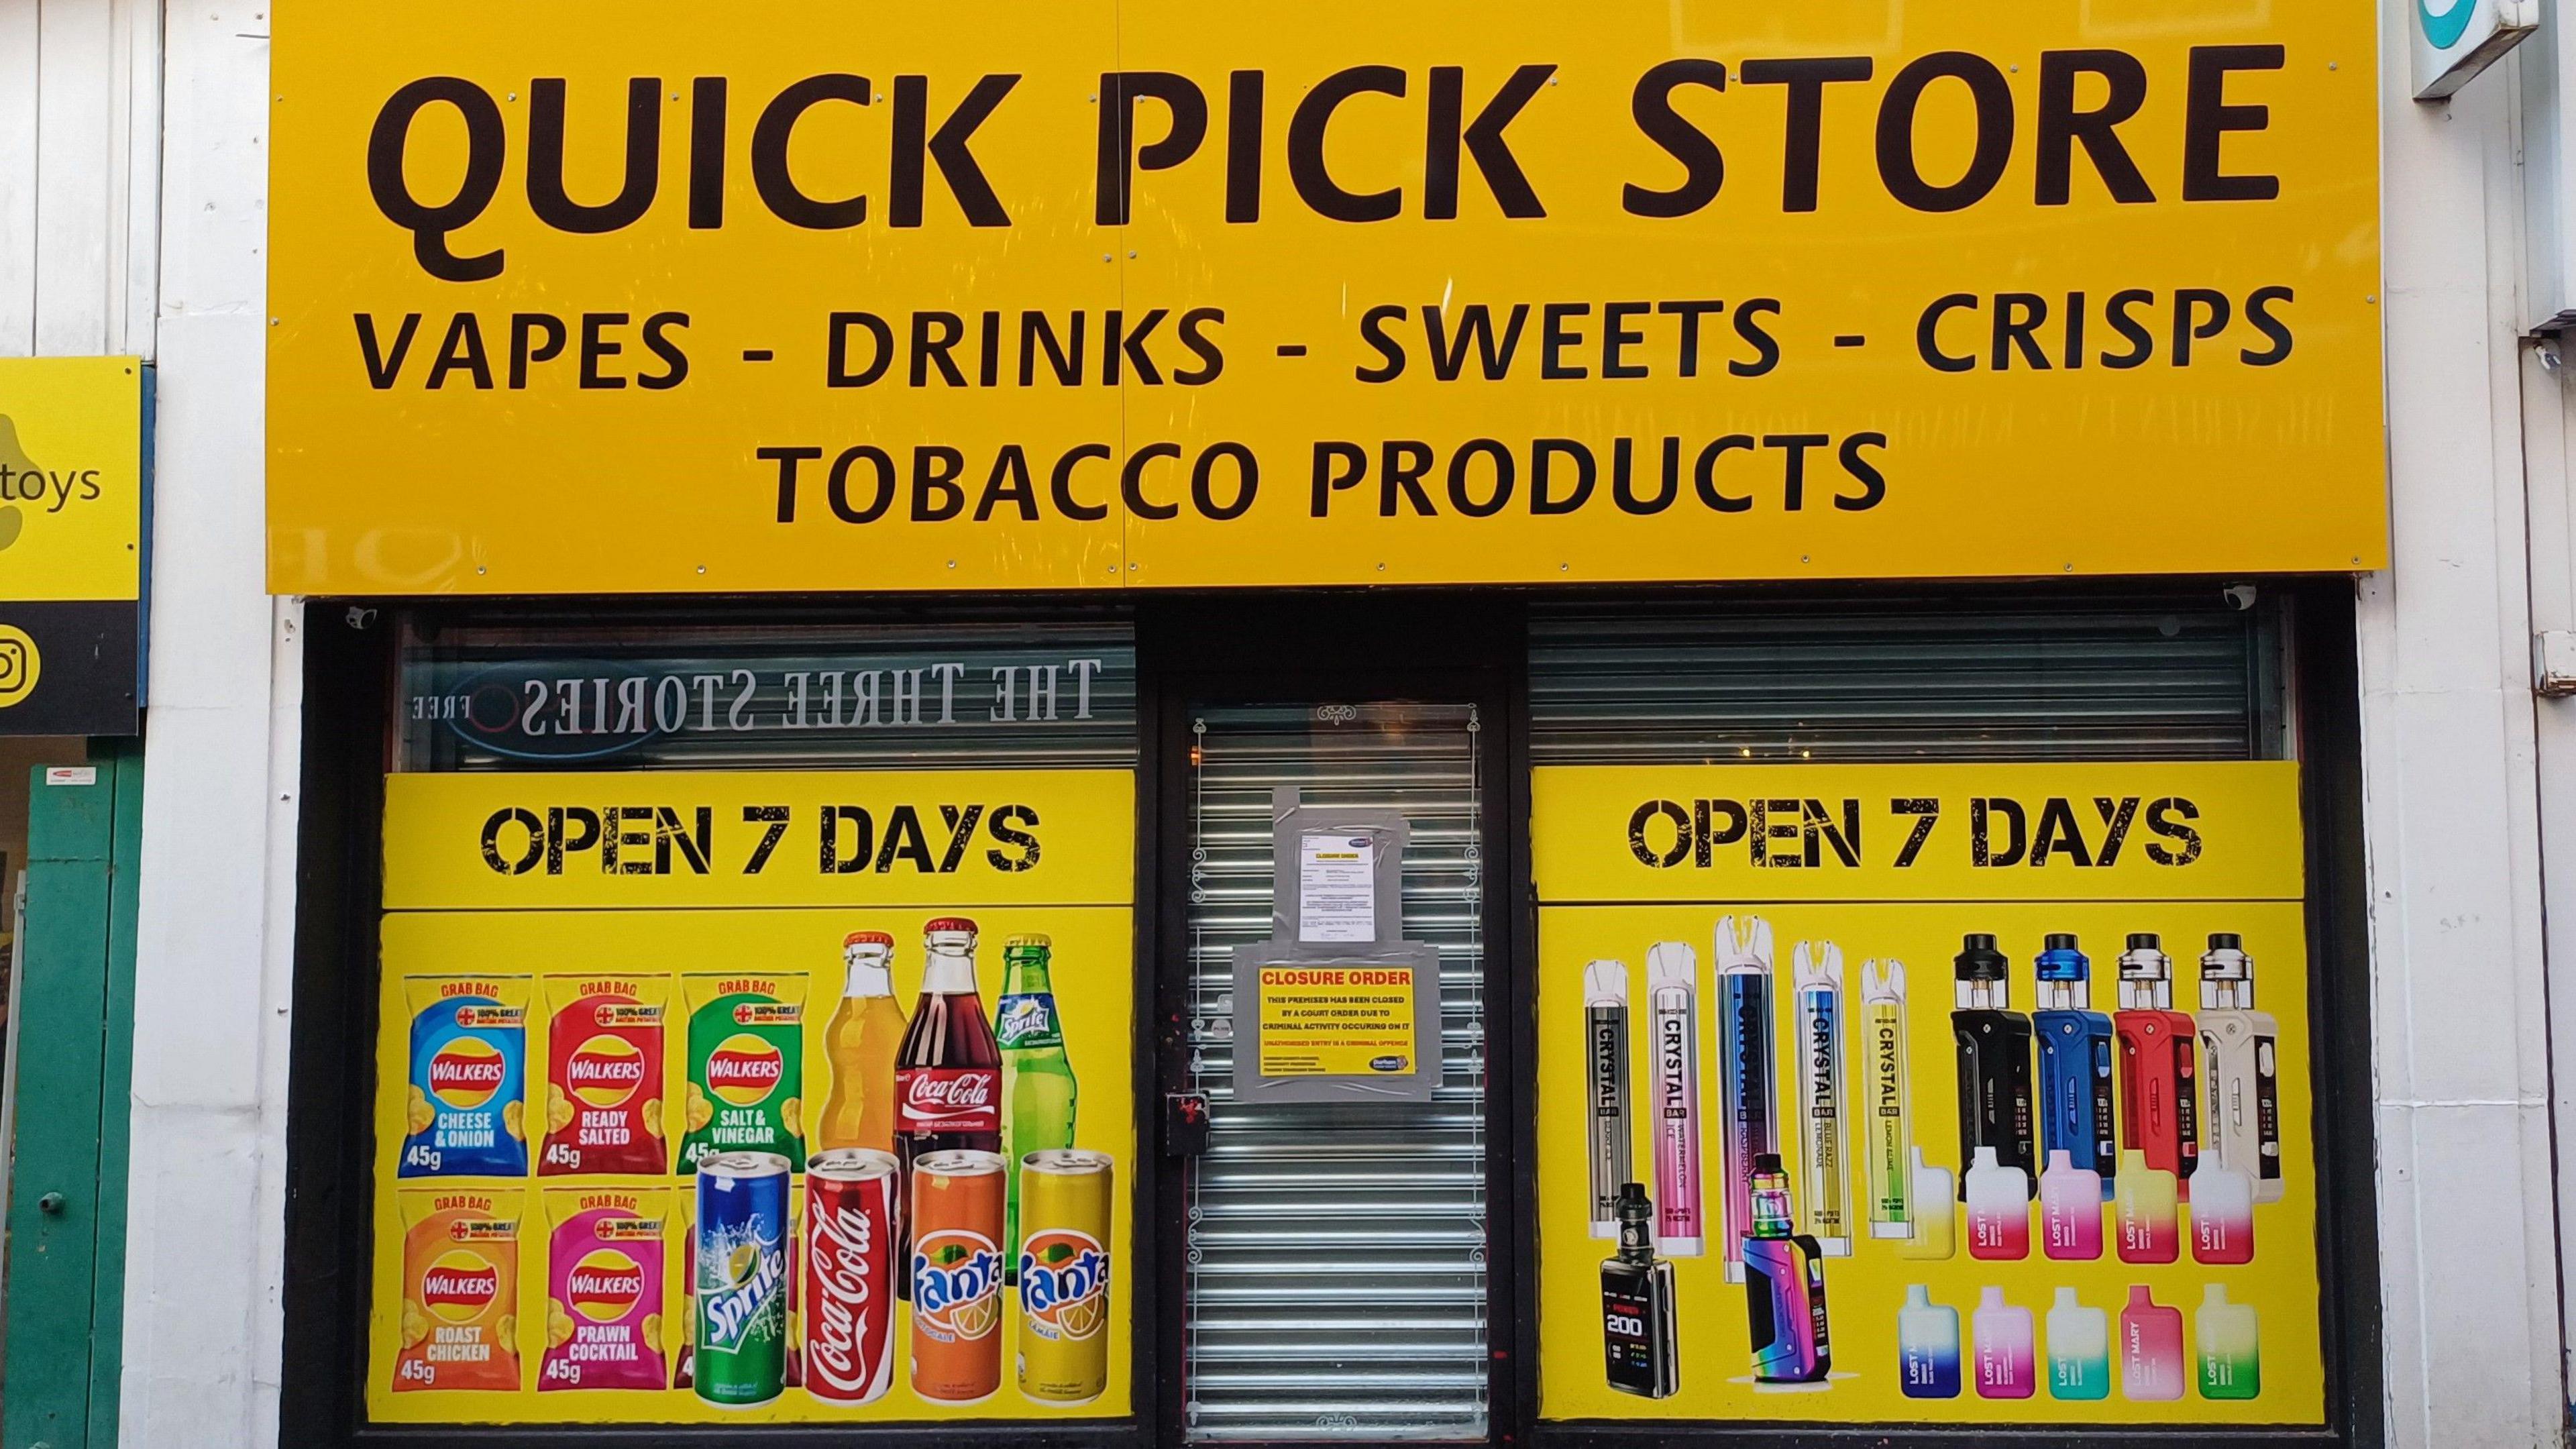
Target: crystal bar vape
1824, 1149
1605, 1050
1751, 1127
1886, 1133
1672, 986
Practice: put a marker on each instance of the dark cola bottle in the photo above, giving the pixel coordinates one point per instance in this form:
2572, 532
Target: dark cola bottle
948, 1074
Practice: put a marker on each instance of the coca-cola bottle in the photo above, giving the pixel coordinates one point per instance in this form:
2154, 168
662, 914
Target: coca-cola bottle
948, 1074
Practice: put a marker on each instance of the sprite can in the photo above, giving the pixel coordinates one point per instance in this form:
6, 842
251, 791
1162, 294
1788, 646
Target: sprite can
739, 1293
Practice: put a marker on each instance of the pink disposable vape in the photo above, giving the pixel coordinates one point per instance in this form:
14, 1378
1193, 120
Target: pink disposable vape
2150, 1348
2007, 1351
1672, 985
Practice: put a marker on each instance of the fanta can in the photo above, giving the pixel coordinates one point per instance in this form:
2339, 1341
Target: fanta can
1064, 1275
957, 1202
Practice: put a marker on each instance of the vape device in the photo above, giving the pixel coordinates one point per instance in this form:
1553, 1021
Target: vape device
2079, 1350
1927, 1346
1784, 1286
1998, 1200
2070, 1209
1749, 1129
1605, 1050
2241, 1056
2075, 1065
1672, 986
1994, 1062
2222, 1216
1886, 1133
2146, 1205
1638, 1332
2157, 1082
1824, 1152
2007, 1356
2231, 1361
2150, 1348
1936, 1213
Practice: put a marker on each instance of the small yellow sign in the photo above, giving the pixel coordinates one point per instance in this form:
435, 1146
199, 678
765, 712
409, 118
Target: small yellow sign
71, 479
1337, 1020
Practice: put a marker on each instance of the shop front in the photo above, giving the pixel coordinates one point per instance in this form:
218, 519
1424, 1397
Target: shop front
1083, 725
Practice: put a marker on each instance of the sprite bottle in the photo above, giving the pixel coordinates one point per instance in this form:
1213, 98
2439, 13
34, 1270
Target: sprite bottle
1037, 1082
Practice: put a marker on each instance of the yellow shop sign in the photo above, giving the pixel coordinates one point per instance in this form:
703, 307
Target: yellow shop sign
1120, 293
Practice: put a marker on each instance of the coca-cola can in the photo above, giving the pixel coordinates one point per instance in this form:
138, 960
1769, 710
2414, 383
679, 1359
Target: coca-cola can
850, 1260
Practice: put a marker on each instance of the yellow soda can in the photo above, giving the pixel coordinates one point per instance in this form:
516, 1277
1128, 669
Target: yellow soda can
1064, 1275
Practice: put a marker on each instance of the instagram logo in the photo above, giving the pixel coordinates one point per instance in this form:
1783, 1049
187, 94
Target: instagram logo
19, 665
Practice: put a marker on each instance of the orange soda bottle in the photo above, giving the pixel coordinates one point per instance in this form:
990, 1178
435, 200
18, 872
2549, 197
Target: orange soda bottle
865, 1033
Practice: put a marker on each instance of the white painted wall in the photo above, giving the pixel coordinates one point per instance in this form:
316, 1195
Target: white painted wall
205, 1259
88, 170
2460, 1016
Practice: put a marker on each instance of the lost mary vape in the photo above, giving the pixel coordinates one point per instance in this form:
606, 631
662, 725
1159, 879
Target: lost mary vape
1749, 1128
1885, 1131
1784, 1286
2157, 1081
1994, 1062
1638, 1331
1825, 1151
1605, 1050
2075, 1082
1672, 987
2241, 1047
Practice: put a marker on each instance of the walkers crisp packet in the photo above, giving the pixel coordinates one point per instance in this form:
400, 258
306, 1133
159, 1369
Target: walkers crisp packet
460, 1305
604, 1076
604, 1318
746, 1067
463, 1112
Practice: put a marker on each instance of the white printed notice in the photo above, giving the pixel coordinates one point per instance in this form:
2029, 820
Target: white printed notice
1336, 887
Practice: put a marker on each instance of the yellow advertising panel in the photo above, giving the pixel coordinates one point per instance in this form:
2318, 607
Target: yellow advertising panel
674, 838
565, 1093
1117, 293
1884, 1154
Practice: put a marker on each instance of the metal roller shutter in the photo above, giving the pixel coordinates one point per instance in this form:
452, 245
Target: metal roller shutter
1337, 1254
2170, 677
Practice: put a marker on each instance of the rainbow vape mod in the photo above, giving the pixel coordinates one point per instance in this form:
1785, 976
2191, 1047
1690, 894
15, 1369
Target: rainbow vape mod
1784, 1286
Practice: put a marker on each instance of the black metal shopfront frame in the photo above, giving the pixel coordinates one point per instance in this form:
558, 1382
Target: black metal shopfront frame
1251, 646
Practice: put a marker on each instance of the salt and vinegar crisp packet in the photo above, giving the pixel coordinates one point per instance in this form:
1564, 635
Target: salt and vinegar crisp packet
604, 1076
605, 1323
746, 1067
460, 1296
462, 1110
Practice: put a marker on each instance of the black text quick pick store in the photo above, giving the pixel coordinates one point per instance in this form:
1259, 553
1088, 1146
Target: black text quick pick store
1108, 725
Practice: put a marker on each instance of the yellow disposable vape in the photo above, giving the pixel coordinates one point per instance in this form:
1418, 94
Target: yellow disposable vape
1886, 1133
